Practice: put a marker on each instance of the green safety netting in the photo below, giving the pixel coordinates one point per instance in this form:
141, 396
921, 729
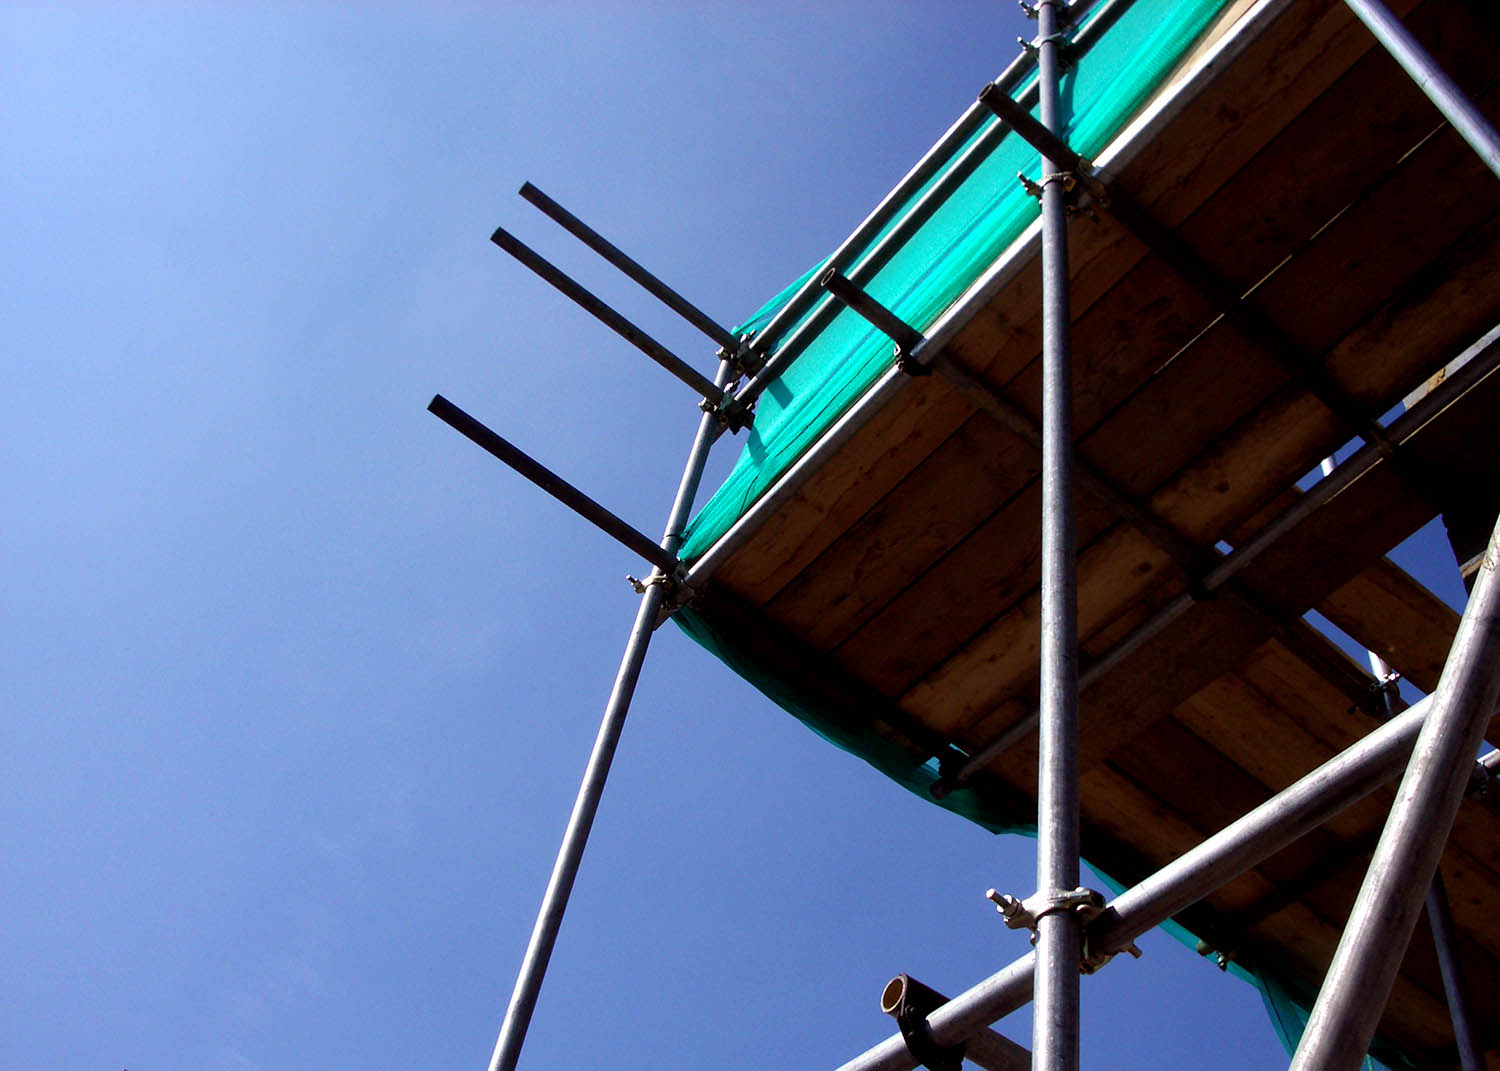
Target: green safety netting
984, 214
934, 266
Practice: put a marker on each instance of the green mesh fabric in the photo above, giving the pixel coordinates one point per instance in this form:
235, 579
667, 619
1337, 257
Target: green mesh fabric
1288, 998
856, 737
973, 227
986, 213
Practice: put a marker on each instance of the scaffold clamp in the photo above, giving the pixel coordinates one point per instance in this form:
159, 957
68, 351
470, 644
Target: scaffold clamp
656, 579
1024, 914
916, 1003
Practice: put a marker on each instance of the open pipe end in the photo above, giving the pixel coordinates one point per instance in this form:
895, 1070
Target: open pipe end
892, 995
830, 278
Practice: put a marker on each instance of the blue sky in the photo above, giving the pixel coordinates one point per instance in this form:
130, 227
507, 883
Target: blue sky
299, 684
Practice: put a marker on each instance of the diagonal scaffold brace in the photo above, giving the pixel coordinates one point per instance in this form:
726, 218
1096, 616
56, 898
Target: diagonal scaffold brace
1358, 982
655, 593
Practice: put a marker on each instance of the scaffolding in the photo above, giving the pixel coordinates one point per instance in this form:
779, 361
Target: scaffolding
1047, 373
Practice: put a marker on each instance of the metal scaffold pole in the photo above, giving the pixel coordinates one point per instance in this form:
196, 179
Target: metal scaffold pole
1358, 982
1236, 849
1439, 912
1439, 87
575, 838
1058, 927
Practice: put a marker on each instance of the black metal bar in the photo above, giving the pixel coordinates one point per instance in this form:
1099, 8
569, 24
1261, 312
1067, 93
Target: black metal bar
910, 1002
1231, 304
984, 142
883, 319
614, 321
612, 253
586, 805
553, 484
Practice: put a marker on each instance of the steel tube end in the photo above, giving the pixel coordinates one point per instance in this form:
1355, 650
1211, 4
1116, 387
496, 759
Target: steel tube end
892, 994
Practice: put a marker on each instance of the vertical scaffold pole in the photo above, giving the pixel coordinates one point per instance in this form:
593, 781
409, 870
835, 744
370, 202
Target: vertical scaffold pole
575, 837
1439, 912
1059, 936
1431, 79
1358, 982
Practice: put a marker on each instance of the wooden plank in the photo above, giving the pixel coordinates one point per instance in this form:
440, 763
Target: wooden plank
1302, 695
1336, 147
1415, 1017
1112, 572
990, 575
886, 552
1005, 335
1208, 641
965, 590
1300, 54
1208, 789
1369, 517
1254, 732
1364, 256
1116, 804
886, 449
1261, 455
1182, 410
1438, 311
1248, 227
1127, 335
1387, 611
1000, 340
957, 487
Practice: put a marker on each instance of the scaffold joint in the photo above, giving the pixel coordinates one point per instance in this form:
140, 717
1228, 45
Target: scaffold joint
911, 1017
1024, 914
909, 364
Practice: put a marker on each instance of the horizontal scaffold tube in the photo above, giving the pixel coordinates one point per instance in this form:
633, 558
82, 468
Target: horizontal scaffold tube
1481, 359
1341, 781
984, 1048
858, 256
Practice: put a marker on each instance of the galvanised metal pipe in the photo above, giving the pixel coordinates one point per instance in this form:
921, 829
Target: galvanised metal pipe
791, 482
1108, 14
1445, 939
1485, 358
931, 162
1229, 301
1439, 911
1059, 932
985, 1048
1431, 79
871, 261
612, 253
1359, 979
1118, 155
1244, 844
575, 837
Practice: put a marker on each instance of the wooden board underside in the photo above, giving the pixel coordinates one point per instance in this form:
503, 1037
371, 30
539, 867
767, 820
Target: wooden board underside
910, 559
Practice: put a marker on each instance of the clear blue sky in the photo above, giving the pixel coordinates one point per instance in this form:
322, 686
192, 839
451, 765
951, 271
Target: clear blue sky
298, 684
